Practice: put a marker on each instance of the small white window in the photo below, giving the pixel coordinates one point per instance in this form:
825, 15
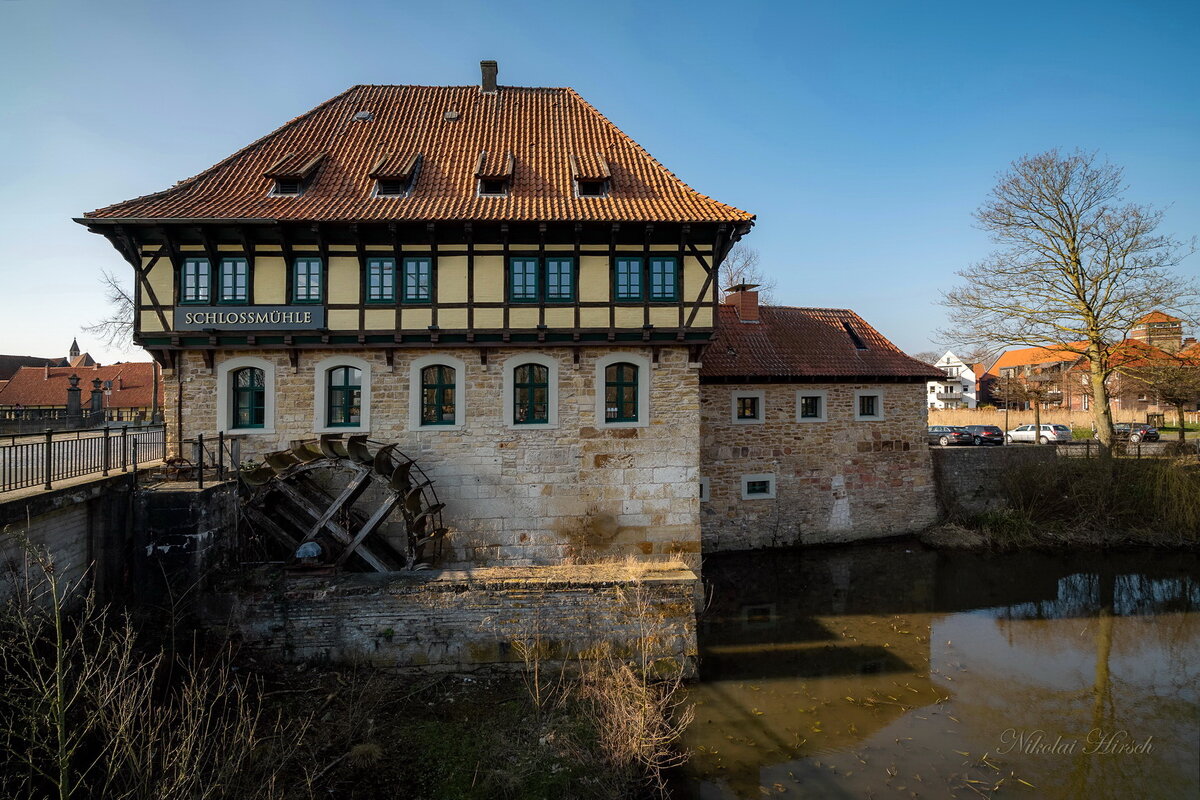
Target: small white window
868, 405
748, 408
758, 487
811, 405
704, 495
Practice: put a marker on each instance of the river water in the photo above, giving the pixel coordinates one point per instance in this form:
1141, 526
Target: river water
891, 670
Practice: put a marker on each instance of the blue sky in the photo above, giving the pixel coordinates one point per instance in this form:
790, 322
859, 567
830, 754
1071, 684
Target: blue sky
862, 134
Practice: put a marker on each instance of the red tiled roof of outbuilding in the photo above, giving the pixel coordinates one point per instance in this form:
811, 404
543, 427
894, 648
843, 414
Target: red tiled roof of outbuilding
806, 343
39, 386
1157, 316
542, 128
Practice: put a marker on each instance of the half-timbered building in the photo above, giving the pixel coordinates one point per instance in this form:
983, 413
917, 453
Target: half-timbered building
496, 279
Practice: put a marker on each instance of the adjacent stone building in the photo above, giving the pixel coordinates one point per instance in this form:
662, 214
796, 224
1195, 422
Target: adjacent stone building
812, 430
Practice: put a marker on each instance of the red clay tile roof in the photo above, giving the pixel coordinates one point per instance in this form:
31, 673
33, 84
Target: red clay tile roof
130, 387
1157, 316
790, 342
1032, 356
542, 128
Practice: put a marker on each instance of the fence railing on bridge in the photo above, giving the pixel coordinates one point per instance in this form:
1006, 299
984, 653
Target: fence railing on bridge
54, 457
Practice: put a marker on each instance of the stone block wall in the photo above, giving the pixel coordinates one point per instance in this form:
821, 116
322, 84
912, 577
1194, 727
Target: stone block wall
462, 620
513, 495
838, 480
970, 480
181, 533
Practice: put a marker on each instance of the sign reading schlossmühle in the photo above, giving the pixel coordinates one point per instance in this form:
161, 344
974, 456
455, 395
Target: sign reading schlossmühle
249, 318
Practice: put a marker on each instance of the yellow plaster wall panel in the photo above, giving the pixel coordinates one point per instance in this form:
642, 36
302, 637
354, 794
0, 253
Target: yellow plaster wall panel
594, 279
452, 318
150, 323
270, 281
629, 317
452, 279
593, 317
343, 279
558, 248
560, 317
162, 279
380, 319
192, 248
343, 319
523, 318
489, 279
703, 318
415, 318
693, 278
489, 319
661, 317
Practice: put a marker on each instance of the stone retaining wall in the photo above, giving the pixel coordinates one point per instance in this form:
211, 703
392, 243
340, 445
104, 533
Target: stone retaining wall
462, 620
970, 479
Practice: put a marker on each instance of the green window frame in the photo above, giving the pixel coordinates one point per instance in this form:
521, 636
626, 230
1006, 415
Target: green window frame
621, 392
195, 283
531, 394
233, 285
343, 397
664, 278
560, 280
418, 280
249, 398
758, 487
868, 405
381, 280
307, 283
438, 403
523, 283
747, 407
627, 278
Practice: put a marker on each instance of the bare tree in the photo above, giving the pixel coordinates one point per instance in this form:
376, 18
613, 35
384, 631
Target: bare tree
117, 328
1175, 381
742, 265
928, 356
1076, 269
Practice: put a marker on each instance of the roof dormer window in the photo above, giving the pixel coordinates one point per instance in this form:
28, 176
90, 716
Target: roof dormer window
494, 173
396, 174
293, 173
591, 175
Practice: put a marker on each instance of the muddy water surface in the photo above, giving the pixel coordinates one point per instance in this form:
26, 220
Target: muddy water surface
894, 671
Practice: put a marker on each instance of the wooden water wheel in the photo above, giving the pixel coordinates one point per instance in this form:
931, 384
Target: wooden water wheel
325, 501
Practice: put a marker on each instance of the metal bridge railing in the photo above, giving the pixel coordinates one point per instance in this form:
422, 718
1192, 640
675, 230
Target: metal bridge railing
50, 458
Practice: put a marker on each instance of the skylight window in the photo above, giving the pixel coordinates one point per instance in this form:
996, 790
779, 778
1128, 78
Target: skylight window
293, 173
494, 173
854, 337
493, 187
590, 174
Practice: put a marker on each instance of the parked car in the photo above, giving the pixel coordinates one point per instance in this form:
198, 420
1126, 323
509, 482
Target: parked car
1050, 434
948, 435
985, 434
1134, 432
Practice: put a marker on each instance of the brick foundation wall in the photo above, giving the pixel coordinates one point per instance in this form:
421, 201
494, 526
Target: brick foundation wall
455, 621
513, 496
839, 480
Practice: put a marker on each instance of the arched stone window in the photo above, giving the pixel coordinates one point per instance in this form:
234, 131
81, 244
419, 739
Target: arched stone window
342, 395
531, 391
437, 396
246, 395
623, 391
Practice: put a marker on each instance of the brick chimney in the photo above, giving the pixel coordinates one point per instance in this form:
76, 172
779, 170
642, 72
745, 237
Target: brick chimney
744, 300
488, 70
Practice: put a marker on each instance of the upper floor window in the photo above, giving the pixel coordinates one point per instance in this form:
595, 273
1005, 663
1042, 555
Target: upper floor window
438, 395
868, 405
248, 397
306, 280
664, 278
531, 395
418, 280
343, 397
234, 284
196, 282
381, 280
748, 407
627, 279
551, 280
621, 392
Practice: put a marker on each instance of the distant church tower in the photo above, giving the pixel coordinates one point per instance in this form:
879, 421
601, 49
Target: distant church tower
74, 351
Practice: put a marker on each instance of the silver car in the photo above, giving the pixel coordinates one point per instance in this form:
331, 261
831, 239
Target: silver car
1051, 434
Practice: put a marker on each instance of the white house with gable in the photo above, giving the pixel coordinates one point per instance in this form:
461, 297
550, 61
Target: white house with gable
957, 389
